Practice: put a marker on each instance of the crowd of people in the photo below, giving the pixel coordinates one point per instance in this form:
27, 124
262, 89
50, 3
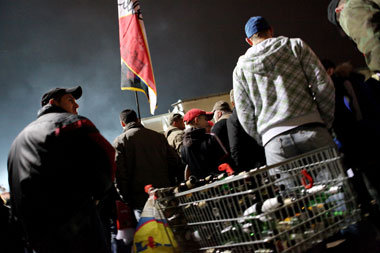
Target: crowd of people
65, 178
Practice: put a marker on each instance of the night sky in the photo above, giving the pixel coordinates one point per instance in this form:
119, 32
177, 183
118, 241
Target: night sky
194, 46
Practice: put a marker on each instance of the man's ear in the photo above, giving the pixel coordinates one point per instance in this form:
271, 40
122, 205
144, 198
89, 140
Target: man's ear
249, 41
52, 101
196, 120
271, 32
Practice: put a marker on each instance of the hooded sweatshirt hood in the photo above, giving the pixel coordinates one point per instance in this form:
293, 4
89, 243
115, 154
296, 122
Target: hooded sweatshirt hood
266, 54
49, 109
194, 136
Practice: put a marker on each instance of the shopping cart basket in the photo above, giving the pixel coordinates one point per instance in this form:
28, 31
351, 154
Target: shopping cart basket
287, 207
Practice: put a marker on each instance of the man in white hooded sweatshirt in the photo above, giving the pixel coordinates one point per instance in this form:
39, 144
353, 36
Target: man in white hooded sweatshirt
283, 96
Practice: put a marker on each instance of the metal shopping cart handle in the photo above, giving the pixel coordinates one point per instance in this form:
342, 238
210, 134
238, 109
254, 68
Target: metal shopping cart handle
306, 176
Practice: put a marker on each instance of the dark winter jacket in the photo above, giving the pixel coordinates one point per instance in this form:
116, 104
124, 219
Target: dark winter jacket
58, 166
245, 151
143, 157
201, 152
220, 130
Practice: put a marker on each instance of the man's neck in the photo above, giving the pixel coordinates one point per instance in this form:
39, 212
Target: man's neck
131, 125
259, 40
48, 109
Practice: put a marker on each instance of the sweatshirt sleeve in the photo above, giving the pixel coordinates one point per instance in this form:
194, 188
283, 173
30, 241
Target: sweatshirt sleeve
319, 82
244, 107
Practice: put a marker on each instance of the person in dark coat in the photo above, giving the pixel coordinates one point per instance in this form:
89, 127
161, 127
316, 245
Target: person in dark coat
59, 168
143, 157
245, 152
222, 111
11, 240
370, 89
202, 152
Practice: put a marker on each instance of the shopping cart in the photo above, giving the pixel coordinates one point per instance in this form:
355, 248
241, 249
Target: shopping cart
287, 207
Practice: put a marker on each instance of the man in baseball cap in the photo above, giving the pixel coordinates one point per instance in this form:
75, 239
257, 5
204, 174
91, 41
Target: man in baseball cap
222, 111
254, 26
61, 158
174, 133
63, 97
272, 107
197, 118
202, 152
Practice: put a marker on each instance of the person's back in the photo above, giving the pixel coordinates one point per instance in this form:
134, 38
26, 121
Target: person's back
58, 166
283, 96
201, 151
174, 136
220, 130
174, 133
280, 92
245, 151
222, 111
143, 157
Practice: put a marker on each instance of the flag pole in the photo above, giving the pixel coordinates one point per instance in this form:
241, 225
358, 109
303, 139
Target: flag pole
133, 78
137, 104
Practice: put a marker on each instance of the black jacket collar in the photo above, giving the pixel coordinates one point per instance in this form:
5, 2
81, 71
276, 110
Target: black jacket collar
49, 109
132, 125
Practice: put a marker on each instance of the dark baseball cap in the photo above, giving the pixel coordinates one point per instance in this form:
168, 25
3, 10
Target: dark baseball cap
255, 25
56, 92
174, 117
221, 106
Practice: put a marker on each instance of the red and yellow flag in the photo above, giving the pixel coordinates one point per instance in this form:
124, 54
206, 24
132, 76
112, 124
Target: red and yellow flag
136, 65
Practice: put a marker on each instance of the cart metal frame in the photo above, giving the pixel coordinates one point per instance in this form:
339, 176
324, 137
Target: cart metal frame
318, 201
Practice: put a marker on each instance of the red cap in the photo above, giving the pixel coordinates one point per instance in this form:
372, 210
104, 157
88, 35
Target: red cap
191, 114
